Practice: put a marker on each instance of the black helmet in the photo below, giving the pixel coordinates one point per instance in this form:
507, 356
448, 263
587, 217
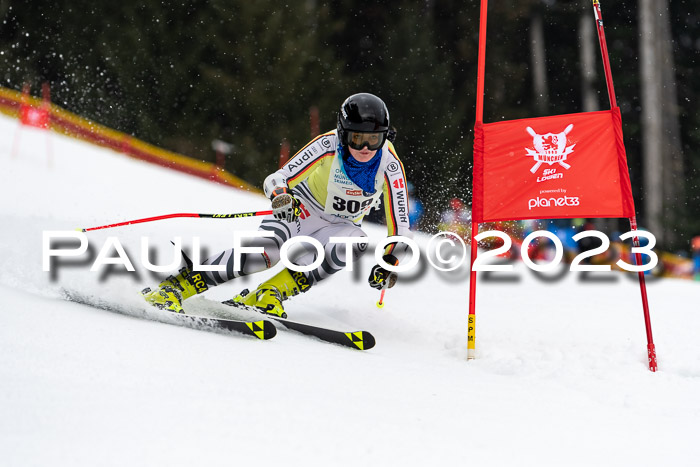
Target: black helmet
363, 113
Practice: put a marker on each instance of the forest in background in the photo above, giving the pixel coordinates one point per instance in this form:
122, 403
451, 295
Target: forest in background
182, 74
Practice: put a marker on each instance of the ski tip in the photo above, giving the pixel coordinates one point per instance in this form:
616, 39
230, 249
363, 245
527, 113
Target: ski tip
369, 340
269, 330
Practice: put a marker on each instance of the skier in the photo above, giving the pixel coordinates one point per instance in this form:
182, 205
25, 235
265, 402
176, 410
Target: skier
323, 191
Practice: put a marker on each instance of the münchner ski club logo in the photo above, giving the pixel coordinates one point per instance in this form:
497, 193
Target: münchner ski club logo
549, 148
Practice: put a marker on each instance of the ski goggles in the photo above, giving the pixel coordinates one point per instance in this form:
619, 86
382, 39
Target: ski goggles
373, 141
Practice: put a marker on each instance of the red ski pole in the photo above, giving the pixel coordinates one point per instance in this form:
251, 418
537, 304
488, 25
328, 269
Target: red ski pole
170, 216
380, 303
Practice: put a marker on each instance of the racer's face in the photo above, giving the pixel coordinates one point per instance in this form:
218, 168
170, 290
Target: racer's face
362, 155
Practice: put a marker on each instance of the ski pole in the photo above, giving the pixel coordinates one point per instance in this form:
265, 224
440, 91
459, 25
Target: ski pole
390, 281
170, 216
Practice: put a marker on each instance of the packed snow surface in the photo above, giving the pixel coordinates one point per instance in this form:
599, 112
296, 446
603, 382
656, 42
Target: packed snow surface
560, 378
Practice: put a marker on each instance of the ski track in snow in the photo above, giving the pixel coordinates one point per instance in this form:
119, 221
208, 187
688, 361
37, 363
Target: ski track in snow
561, 376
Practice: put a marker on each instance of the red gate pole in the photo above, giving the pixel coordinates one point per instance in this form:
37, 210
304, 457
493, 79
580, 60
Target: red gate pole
46, 111
651, 349
314, 121
471, 332
284, 152
23, 109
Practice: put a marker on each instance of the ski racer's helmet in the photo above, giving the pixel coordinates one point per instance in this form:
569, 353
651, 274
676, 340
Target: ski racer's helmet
363, 120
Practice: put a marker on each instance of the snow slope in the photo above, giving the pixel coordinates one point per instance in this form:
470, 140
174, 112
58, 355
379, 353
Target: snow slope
560, 379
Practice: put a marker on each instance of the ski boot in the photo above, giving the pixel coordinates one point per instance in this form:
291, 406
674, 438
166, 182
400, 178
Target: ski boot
269, 295
173, 290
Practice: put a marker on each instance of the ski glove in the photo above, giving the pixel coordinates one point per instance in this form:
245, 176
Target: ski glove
380, 278
285, 207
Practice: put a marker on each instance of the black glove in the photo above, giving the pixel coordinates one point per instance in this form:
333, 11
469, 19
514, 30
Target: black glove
380, 278
285, 206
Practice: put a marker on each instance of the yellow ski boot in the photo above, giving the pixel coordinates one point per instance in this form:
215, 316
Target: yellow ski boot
269, 295
173, 290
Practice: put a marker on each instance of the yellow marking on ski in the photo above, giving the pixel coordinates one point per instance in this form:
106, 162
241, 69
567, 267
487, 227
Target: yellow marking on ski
359, 343
260, 331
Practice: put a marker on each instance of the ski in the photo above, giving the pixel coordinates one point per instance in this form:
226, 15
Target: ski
361, 340
262, 329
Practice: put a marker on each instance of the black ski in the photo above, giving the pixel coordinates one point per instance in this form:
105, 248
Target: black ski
361, 340
262, 329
